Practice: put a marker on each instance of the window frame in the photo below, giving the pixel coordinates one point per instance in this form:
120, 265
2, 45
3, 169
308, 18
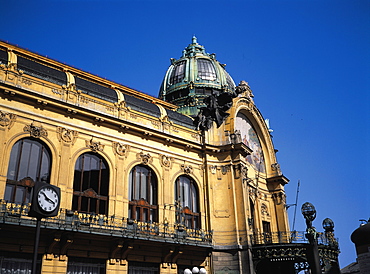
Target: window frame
187, 213
96, 198
20, 159
143, 209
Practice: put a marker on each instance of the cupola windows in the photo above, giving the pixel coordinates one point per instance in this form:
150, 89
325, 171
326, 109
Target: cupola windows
206, 70
178, 73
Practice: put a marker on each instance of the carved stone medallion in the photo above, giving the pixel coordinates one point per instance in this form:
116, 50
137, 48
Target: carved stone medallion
166, 161
146, 158
67, 135
7, 119
36, 131
187, 169
120, 149
94, 145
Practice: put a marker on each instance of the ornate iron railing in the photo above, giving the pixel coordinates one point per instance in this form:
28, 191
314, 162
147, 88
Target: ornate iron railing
284, 237
13, 213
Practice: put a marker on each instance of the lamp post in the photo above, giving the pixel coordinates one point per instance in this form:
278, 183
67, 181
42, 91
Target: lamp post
309, 213
331, 266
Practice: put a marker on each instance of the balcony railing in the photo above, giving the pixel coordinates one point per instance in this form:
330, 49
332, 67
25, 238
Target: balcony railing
17, 214
285, 237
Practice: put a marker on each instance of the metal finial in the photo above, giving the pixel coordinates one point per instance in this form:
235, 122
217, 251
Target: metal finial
194, 39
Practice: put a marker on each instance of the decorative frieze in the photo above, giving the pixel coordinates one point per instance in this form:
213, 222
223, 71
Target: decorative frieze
35, 131
7, 119
95, 146
68, 136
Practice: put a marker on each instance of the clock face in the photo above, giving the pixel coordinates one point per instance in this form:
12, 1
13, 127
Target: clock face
47, 199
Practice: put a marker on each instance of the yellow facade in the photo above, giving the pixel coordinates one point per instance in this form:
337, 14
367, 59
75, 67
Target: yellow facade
236, 200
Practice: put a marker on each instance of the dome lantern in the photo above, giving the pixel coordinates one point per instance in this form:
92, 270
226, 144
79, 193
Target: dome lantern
193, 77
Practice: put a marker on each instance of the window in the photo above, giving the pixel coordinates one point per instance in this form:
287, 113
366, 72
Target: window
143, 194
142, 268
178, 73
85, 266
187, 198
267, 237
91, 184
206, 70
29, 162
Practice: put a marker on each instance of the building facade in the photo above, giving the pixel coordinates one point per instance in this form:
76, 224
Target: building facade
147, 185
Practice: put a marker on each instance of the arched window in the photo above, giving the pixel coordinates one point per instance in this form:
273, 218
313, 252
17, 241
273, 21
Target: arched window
91, 184
178, 73
206, 70
143, 194
30, 161
186, 194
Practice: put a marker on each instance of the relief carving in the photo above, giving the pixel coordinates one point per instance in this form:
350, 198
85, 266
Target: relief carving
7, 119
146, 158
276, 167
264, 210
120, 149
94, 145
67, 135
36, 131
187, 169
166, 161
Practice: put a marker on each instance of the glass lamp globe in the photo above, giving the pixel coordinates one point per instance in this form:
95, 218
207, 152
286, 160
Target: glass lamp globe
328, 224
195, 270
308, 211
202, 271
187, 271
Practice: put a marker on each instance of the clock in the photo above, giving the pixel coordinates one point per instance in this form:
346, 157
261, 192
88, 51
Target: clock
47, 199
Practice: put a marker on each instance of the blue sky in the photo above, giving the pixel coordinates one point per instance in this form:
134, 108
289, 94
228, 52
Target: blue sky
307, 63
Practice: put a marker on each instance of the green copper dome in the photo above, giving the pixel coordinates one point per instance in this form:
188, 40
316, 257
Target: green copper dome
192, 78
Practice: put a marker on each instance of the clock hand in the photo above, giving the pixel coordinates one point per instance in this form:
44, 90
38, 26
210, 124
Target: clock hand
48, 199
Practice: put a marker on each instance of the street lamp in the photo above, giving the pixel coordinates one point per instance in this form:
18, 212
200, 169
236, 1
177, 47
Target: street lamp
309, 213
328, 225
331, 265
